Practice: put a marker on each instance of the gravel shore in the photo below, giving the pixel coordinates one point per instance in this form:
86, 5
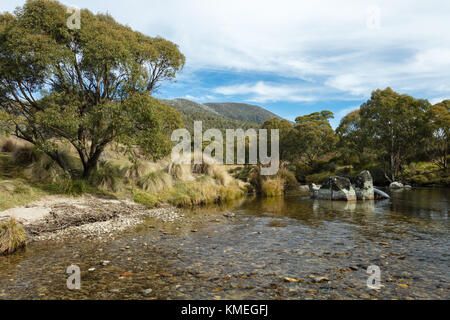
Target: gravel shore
58, 218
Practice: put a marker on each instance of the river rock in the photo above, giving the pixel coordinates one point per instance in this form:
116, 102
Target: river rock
396, 185
314, 190
364, 186
379, 195
303, 188
147, 292
337, 188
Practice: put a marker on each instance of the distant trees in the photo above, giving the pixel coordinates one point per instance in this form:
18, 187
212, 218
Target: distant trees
309, 138
438, 145
87, 87
286, 131
397, 128
313, 136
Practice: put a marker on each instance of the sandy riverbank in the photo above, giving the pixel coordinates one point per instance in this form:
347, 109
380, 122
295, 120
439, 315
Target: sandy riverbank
57, 218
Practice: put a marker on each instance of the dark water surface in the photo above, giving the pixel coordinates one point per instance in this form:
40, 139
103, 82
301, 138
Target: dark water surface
326, 247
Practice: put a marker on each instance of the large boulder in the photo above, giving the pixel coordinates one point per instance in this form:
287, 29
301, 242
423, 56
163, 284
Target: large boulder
364, 186
337, 188
379, 195
396, 185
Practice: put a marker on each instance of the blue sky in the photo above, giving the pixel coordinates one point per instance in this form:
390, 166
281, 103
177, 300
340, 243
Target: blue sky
295, 57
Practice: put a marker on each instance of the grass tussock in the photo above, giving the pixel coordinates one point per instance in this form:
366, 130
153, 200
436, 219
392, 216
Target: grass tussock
108, 176
180, 171
135, 171
156, 182
272, 187
32, 174
7, 144
290, 181
203, 191
12, 237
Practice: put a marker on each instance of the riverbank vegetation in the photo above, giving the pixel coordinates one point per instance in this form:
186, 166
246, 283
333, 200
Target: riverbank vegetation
80, 108
394, 136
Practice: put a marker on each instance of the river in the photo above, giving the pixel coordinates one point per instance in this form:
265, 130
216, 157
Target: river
290, 247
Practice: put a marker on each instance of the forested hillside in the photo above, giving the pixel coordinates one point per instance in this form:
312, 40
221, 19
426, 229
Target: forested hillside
210, 118
242, 111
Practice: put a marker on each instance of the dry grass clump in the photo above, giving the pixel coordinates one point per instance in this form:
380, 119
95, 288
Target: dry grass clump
108, 176
272, 187
180, 171
211, 168
12, 237
203, 191
134, 171
7, 144
156, 182
290, 181
25, 155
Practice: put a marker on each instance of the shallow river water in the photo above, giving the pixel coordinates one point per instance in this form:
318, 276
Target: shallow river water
281, 248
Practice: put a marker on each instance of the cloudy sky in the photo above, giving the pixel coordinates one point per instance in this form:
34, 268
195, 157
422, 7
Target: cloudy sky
295, 57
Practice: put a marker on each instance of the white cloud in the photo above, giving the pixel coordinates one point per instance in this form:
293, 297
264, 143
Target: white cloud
264, 92
438, 99
326, 42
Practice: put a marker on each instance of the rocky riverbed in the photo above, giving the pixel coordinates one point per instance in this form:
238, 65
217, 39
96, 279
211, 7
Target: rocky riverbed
281, 248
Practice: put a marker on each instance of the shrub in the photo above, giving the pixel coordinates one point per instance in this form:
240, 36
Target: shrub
302, 170
74, 187
318, 178
12, 237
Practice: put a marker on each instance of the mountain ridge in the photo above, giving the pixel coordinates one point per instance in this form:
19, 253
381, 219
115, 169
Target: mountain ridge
225, 115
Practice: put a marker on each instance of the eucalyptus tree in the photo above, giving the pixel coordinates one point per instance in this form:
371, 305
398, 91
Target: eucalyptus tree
312, 136
439, 142
396, 126
88, 86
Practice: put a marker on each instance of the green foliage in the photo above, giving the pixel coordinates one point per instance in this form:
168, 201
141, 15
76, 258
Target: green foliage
302, 170
88, 87
145, 199
318, 178
425, 174
75, 187
312, 137
285, 131
438, 146
396, 126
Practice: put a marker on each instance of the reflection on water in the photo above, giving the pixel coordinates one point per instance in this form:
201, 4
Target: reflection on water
250, 254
